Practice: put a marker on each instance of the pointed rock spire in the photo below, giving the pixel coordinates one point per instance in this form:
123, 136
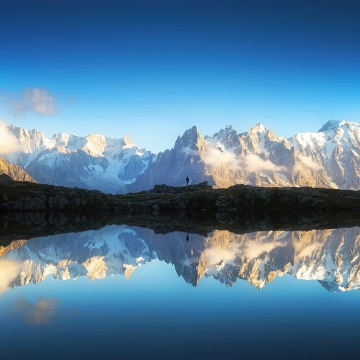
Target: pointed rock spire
128, 140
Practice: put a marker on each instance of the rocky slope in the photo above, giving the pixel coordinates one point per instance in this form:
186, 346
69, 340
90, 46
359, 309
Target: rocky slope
15, 172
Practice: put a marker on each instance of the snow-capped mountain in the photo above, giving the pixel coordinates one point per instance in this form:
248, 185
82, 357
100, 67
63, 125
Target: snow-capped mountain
328, 158
92, 162
329, 256
172, 166
334, 150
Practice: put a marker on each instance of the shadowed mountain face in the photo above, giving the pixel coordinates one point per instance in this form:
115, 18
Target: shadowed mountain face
329, 256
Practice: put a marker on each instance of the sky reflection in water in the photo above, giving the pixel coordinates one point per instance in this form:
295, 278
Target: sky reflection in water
157, 313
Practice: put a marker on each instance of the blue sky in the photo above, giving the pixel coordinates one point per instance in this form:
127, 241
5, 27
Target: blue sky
155, 68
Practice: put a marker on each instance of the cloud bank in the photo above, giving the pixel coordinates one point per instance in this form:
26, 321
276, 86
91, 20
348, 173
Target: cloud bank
250, 163
254, 248
254, 163
214, 157
8, 141
9, 270
307, 161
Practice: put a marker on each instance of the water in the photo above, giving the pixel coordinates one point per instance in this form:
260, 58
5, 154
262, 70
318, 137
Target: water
127, 292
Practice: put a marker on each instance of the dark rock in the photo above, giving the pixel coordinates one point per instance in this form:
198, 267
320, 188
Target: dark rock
5, 179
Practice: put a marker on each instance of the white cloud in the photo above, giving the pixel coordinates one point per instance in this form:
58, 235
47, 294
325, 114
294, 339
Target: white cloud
32, 99
309, 250
307, 161
250, 163
9, 270
8, 141
255, 249
215, 157
218, 254
254, 163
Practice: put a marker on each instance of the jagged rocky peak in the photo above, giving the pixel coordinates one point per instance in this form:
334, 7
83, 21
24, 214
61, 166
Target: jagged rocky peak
255, 133
229, 130
190, 139
332, 125
228, 136
259, 128
340, 124
61, 138
128, 141
95, 138
95, 145
23, 132
30, 139
260, 131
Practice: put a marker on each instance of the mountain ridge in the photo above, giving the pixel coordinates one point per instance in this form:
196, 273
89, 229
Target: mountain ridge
329, 158
92, 162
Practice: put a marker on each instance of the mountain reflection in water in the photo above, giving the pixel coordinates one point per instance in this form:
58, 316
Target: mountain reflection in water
183, 298
329, 256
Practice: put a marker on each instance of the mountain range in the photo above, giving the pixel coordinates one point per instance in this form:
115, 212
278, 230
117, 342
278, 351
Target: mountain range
328, 256
329, 158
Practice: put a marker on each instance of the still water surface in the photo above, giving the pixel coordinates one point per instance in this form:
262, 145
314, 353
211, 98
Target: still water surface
132, 293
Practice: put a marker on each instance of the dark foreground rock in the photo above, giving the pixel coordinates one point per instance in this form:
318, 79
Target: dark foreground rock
26, 196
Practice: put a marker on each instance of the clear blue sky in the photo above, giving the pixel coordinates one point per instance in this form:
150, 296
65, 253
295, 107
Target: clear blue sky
155, 68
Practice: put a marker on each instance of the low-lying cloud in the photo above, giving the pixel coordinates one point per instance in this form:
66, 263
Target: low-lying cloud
308, 162
9, 270
215, 157
250, 163
254, 249
8, 141
218, 254
254, 163
309, 250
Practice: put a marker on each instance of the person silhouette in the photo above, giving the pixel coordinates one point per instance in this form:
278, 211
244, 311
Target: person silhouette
187, 237
187, 180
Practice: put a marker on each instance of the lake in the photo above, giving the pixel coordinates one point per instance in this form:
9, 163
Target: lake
123, 292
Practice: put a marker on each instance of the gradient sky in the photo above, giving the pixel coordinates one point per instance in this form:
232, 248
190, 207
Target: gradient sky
155, 68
